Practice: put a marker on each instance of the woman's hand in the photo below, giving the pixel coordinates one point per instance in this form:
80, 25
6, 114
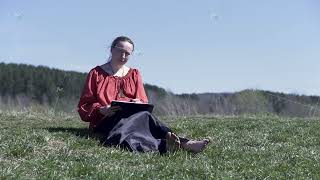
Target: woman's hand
136, 100
109, 111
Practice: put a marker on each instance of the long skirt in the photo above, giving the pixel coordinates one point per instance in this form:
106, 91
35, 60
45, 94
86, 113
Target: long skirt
140, 132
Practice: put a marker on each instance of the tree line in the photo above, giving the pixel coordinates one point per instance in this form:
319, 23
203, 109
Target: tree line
26, 85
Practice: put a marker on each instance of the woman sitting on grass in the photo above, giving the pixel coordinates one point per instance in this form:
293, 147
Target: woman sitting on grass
141, 131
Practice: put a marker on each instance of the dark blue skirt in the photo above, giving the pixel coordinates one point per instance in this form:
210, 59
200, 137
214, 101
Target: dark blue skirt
140, 132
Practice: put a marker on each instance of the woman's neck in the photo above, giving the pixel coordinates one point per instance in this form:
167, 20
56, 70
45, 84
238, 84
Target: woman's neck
115, 66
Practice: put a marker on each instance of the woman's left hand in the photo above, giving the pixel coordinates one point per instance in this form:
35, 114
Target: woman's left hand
136, 100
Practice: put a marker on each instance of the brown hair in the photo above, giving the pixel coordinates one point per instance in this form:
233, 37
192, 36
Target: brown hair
121, 38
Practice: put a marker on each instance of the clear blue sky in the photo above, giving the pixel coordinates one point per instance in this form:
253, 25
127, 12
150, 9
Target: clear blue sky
182, 46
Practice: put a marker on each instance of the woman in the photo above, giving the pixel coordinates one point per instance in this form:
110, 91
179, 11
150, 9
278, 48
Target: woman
138, 132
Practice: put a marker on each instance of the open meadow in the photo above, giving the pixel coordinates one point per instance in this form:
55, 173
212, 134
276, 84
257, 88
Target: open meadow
46, 145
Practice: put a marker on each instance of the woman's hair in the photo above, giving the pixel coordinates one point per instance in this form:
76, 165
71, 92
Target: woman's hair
121, 38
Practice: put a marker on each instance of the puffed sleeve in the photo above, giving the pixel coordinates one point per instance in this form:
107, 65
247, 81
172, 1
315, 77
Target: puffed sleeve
140, 92
88, 106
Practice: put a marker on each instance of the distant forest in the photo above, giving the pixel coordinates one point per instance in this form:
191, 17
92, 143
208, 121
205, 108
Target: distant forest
27, 85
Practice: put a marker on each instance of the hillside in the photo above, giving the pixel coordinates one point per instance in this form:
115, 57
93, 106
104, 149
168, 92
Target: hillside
24, 86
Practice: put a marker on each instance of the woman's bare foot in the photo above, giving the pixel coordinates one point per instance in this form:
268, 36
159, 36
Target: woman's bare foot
195, 146
173, 142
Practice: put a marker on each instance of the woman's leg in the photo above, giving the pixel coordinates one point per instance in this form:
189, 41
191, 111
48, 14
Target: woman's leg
144, 132
139, 132
195, 146
174, 142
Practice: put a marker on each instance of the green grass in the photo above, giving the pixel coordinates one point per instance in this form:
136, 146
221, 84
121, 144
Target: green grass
46, 146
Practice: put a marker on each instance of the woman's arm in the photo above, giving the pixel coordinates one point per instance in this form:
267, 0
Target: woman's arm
88, 106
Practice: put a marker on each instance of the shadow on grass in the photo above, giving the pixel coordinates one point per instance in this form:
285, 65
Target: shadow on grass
85, 133
80, 132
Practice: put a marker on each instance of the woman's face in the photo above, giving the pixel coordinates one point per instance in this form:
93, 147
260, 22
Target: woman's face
121, 52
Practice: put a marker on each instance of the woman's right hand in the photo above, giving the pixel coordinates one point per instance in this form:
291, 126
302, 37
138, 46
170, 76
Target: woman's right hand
109, 111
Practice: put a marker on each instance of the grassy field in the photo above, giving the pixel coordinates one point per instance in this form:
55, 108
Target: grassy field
47, 146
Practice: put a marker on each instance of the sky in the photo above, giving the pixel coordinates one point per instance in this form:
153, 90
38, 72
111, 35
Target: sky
182, 46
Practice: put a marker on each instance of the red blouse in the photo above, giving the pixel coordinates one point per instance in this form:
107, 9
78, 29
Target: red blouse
101, 88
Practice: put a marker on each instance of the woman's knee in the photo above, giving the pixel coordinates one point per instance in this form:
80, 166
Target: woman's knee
144, 113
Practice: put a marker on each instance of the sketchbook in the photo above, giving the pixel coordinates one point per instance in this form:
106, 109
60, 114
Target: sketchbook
132, 107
